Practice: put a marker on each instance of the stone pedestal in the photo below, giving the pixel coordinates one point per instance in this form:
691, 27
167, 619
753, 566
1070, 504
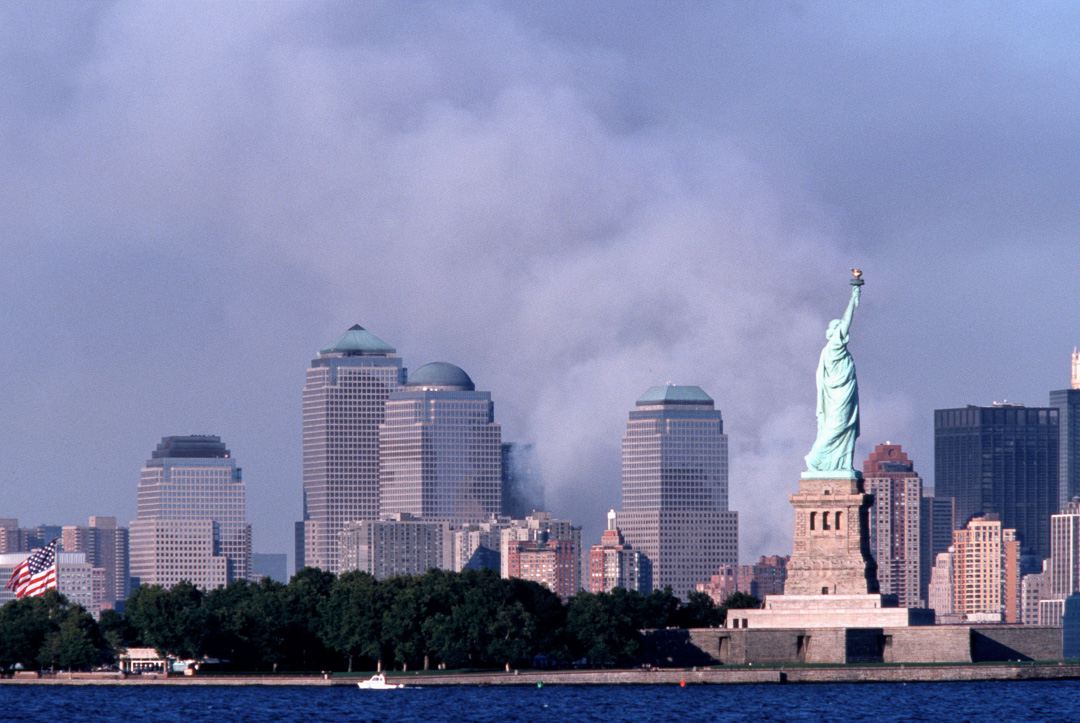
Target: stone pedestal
830, 611
831, 577
832, 538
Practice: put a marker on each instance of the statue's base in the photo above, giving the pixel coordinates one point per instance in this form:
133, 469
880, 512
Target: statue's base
832, 474
830, 611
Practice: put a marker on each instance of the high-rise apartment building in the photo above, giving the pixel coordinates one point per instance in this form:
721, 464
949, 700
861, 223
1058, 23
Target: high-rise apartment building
12, 537
1044, 594
552, 563
399, 544
191, 516
106, 548
614, 564
675, 487
541, 526
1003, 460
344, 404
479, 545
20, 539
440, 449
1065, 551
986, 569
1067, 402
764, 577
895, 539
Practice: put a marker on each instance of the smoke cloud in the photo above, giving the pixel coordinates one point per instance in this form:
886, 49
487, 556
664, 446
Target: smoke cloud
570, 206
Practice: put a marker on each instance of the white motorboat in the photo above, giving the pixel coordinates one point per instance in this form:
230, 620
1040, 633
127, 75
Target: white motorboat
378, 682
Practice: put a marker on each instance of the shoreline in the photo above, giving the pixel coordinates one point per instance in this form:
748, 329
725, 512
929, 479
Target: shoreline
900, 673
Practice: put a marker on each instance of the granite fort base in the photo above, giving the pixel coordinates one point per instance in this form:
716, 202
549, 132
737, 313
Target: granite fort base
832, 578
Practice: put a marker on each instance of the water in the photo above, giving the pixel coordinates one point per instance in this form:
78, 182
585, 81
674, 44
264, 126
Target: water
879, 703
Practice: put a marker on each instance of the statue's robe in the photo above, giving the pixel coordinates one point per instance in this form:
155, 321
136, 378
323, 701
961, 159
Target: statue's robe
837, 407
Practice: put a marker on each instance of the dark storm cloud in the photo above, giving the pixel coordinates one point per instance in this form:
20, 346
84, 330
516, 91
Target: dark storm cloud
572, 204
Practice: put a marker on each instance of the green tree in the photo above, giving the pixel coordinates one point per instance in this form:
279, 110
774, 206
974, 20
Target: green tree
352, 617
548, 613
24, 625
660, 609
48, 631
302, 601
246, 624
269, 631
75, 642
740, 601
699, 611
604, 628
171, 621
117, 630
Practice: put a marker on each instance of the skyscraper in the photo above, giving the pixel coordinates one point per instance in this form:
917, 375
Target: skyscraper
675, 487
895, 521
107, 548
1067, 402
191, 516
522, 491
1001, 459
440, 449
344, 404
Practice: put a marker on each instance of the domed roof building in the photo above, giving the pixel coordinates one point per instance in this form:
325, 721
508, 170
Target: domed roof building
442, 375
440, 449
344, 404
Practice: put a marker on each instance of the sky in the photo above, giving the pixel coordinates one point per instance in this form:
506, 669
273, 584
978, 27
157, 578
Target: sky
571, 203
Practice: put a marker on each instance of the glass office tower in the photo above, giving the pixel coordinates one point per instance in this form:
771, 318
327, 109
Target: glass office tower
440, 449
675, 487
1000, 460
344, 404
191, 519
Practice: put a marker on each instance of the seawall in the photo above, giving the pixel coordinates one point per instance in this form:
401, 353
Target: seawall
720, 676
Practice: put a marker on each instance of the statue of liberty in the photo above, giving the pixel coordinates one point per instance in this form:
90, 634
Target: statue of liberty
837, 397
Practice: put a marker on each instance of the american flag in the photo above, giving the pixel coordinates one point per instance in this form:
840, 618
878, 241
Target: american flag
36, 574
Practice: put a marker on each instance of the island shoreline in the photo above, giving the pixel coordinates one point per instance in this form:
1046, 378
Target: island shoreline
899, 673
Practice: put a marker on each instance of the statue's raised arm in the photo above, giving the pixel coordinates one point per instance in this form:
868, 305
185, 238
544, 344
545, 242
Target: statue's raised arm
845, 320
837, 397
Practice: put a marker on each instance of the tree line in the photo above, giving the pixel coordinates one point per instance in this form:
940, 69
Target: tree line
319, 621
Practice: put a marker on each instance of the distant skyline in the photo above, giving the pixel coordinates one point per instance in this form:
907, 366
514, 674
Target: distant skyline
572, 203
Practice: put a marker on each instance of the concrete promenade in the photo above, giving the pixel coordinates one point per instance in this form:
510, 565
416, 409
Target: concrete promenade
719, 676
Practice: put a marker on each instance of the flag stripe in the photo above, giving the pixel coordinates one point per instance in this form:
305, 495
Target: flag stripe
17, 575
35, 574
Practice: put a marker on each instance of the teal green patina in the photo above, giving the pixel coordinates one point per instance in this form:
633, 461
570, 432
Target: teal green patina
674, 394
358, 340
833, 452
441, 374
